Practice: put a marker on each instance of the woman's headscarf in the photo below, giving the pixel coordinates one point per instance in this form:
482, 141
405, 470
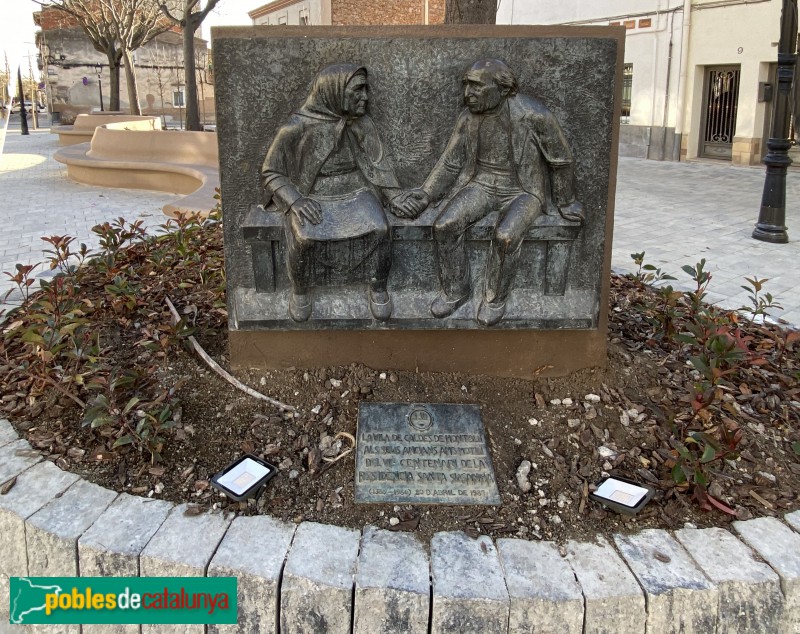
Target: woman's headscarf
324, 127
326, 99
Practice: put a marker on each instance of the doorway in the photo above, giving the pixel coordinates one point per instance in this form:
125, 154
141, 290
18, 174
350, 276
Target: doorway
720, 104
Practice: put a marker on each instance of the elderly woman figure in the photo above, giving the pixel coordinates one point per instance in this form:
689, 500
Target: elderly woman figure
327, 171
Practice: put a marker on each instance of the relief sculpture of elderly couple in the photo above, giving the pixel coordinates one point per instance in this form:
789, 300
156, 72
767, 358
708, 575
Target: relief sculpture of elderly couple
329, 174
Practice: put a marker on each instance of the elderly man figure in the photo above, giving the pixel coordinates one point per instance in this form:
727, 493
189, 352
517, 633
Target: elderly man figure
507, 153
327, 171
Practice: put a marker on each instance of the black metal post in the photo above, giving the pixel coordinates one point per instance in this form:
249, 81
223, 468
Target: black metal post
23, 116
99, 69
771, 225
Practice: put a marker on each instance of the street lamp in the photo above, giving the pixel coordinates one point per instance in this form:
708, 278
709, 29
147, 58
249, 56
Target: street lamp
23, 117
771, 225
98, 68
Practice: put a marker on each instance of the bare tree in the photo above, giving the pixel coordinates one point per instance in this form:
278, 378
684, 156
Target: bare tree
5, 81
470, 12
116, 28
189, 18
90, 16
160, 70
136, 22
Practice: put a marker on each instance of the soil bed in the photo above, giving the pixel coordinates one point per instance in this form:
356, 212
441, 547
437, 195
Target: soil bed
620, 420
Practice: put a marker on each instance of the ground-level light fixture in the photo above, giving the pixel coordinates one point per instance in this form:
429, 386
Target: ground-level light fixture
244, 478
622, 495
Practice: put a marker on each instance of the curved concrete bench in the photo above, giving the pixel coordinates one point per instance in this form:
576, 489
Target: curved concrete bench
83, 128
52, 523
164, 160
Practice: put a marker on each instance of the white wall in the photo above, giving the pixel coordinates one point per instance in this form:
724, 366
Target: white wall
582, 11
655, 76
737, 34
722, 32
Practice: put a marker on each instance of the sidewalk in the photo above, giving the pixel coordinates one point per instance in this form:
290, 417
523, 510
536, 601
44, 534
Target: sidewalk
39, 200
677, 213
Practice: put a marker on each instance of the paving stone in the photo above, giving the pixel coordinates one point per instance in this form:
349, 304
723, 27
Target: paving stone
317, 588
794, 520
613, 599
7, 432
779, 545
52, 533
254, 550
541, 585
34, 488
182, 547
750, 598
680, 598
15, 457
469, 590
111, 546
392, 584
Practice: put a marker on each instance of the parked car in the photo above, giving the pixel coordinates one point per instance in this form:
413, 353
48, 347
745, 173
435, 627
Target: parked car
28, 105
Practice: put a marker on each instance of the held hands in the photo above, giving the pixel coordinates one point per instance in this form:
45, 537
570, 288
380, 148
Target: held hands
573, 211
410, 204
307, 209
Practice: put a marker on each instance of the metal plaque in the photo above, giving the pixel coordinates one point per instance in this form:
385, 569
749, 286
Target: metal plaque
431, 453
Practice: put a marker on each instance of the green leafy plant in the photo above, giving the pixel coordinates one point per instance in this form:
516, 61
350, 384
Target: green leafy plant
648, 273
693, 454
760, 304
56, 343
129, 418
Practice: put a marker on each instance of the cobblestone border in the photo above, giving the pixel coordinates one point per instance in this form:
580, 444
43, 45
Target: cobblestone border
330, 580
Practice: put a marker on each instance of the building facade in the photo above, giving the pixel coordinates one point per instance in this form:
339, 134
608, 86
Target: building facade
75, 75
344, 12
699, 74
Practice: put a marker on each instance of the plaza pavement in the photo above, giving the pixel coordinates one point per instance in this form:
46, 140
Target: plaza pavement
39, 200
677, 213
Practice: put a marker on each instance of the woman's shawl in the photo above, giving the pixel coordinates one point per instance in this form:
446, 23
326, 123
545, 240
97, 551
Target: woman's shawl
304, 143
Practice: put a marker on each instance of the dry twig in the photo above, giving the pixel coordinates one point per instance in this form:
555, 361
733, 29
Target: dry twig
221, 371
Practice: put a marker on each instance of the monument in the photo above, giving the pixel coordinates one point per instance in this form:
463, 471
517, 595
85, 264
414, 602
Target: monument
405, 197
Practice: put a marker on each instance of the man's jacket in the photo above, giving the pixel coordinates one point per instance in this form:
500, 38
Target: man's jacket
542, 159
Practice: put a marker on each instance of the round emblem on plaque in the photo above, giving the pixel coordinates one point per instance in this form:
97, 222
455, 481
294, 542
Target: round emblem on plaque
420, 418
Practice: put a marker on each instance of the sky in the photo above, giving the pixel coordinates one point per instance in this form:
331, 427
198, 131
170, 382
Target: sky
17, 28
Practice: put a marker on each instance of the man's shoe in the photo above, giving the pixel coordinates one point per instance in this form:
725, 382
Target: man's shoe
380, 305
442, 306
299, 307
489, 314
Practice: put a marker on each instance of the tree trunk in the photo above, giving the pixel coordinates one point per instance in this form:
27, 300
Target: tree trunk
130, 78
192, 115
113, 70
470, 12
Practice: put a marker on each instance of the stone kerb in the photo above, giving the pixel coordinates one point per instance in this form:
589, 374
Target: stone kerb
319, 578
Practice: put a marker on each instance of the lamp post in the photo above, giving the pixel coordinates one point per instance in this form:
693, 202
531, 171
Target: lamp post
23, 117
99, 70
771, 225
